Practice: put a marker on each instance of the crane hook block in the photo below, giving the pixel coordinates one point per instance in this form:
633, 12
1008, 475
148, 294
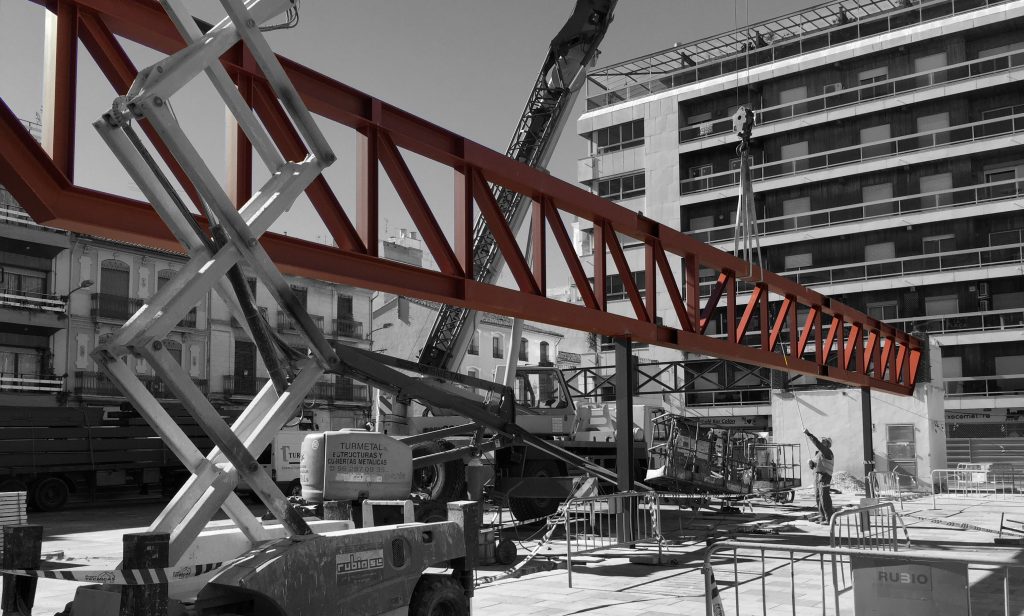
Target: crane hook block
742, 122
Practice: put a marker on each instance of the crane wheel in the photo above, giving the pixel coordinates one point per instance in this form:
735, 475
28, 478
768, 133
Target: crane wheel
439, 482
506, 552
531, 508
438, 595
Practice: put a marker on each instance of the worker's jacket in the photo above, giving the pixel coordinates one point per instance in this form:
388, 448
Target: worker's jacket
823, 465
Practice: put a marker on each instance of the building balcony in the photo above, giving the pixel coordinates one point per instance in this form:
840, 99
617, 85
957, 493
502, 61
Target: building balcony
115, 307
285, 325
906, 266
97, 384
233, 386
990, 385
811, 30
17, 226
121, 308
917, 142
31, 383
938, 79
875, 211
29, 312
348, 328
325, 390
263, 313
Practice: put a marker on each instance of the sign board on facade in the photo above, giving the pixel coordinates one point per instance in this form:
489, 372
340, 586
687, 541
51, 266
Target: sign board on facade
883, 586
1013, 416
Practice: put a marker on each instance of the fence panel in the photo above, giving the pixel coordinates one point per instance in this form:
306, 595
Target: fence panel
603, 522
777, 579
978, 481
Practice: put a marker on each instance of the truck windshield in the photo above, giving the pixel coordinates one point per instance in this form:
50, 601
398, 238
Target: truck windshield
540, 389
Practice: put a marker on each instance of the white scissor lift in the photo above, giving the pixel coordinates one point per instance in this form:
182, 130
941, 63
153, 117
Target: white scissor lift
279, 567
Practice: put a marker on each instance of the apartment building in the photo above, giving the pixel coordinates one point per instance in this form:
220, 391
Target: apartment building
887, 172
62, 294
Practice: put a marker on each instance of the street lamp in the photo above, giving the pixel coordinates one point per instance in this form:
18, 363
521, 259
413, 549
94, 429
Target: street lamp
377, 329
85, 285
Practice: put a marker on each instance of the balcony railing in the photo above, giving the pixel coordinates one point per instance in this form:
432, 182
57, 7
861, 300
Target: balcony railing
791, 35
989, 320
324, 389
285, 325
234, 386
991, 385
97, 384
347, 328
938, 262
118, 307
964, 133
938, 200
31, 383
856, 94
27, 300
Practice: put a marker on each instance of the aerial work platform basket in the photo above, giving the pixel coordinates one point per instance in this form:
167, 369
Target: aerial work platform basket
690, 456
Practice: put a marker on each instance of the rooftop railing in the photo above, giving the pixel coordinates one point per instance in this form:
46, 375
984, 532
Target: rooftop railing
990, 385
820, 27
882, 208
348, 328
856, 94
963, 133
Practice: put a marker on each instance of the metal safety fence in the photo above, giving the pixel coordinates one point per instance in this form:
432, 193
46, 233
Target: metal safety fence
978, 481
750, 578
885, 486
872, 527
603, 522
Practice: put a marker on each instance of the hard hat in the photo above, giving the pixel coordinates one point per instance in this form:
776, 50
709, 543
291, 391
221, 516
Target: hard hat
826, 441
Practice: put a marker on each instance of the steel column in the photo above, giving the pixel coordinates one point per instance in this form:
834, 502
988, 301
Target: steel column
624, 464
867, 428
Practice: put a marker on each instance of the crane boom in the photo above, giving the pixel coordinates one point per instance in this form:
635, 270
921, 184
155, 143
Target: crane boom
546, 112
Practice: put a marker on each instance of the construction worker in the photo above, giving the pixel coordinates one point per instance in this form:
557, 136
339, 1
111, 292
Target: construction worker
822, 465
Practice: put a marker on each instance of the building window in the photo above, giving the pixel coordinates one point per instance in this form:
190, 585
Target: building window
701, 171
619, 137
497, 347
792, 208
938, 244
344, 307
941, 305
19, 281
474, 344
524, 349
1004, 183
174, 348
797, 262
877, 199
19, 362
622, 187
884, 311
885, 251
615, 290
545, 358
251, 281
866, 78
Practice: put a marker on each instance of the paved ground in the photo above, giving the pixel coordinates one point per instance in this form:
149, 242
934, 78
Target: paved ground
607, 582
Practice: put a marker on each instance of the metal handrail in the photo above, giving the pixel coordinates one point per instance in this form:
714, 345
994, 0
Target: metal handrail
845, 97
723, 54
915, 142
857, 212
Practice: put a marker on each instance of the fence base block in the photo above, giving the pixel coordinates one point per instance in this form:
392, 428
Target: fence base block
656, 560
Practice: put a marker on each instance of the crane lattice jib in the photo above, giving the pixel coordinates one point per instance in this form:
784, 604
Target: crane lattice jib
532, 143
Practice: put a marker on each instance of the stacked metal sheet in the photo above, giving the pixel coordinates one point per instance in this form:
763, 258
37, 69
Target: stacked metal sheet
12, 511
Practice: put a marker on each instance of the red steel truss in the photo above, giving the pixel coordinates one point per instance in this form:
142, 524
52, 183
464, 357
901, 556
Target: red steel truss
829, 340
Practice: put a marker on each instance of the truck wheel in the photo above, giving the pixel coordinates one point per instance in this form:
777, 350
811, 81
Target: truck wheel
12, 485
294, 488
438, 595
440, 482
429, 512
49, 494
529, 508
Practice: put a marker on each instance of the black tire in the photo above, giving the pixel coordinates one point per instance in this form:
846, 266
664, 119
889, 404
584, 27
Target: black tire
531, 508
294, 488
49, 494
439, 482
429, 512
438, 595
505, 553
11, 484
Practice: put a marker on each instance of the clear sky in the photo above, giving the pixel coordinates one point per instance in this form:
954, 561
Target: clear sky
467, 65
